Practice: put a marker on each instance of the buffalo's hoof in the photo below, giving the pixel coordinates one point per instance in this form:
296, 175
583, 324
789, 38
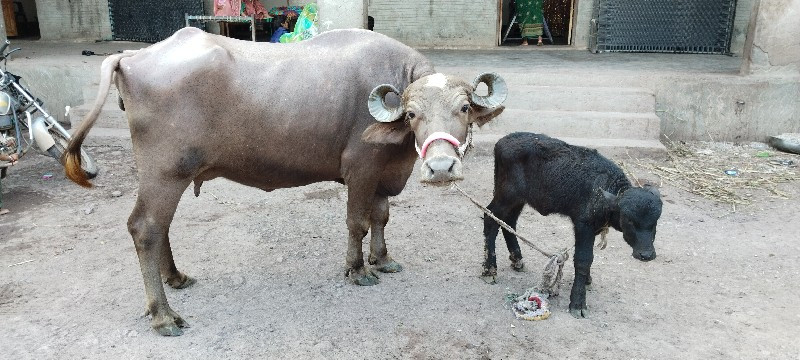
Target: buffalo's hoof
181, 281
363, 278
518, 265
390, 267
579, 313
169, 324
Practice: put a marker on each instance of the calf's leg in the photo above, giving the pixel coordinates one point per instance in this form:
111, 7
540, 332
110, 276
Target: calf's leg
584, 241
149, 227
378, 255
505, 210
514, 252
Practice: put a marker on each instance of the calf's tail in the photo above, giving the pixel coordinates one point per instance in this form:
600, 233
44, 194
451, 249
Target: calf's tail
72, 156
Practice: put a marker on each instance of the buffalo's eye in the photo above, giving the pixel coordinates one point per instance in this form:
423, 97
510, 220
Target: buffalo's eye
411, 115
465, 108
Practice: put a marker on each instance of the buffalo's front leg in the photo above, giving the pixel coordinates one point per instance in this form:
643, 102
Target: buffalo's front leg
359, 208
378, 255
584, 240
149, 225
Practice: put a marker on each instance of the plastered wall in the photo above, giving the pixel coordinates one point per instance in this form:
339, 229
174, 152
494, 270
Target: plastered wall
74, 19
441, 23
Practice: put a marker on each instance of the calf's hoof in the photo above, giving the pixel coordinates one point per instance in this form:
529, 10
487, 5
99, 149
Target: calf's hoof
180, 281
579, 313
169, 323
363, 277
518, 265
489, 276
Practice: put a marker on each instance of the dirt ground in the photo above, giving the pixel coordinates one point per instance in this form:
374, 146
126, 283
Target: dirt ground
270, 271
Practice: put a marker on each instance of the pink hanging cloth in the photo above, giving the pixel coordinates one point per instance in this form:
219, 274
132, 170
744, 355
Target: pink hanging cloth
227, 7
254, 8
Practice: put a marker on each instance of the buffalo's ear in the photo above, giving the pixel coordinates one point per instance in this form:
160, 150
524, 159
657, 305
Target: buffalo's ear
394, 132
482, 115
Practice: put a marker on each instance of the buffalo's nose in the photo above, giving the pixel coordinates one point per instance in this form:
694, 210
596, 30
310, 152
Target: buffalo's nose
441, 164
441, 169
644, 255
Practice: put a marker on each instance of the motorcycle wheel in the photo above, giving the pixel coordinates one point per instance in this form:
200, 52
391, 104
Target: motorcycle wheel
87, 163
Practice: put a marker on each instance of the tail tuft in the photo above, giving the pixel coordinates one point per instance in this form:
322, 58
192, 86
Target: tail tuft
72, 168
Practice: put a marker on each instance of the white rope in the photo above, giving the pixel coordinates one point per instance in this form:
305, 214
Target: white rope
555, 266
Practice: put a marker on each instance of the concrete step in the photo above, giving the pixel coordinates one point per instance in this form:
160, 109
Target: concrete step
545, 77
577, 124
90, 93
100, 136
570, 98
616, 149
110, 115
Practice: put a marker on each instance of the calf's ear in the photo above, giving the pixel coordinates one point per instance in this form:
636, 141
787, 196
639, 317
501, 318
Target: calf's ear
611, 199
652, 189
482, 115
394, 132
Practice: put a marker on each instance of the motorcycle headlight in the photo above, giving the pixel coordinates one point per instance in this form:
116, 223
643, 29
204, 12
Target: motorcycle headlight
5, 103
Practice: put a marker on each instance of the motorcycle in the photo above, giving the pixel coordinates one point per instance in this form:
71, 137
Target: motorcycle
20, 130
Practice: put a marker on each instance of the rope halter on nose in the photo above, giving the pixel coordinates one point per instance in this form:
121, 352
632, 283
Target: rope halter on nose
439, 135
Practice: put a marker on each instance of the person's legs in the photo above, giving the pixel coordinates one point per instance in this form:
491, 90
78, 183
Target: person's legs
2, 211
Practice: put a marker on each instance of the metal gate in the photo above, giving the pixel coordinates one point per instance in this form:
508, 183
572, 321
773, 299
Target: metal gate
674, 26
150, 20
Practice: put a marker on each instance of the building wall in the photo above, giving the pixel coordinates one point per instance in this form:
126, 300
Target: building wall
342, 14
442, 23
776, 47
74, 19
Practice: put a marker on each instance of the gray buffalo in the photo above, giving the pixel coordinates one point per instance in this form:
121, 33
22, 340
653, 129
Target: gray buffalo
271, 116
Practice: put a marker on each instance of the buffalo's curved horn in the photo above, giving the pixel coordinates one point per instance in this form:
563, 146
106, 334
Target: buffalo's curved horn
377, 104
497, 90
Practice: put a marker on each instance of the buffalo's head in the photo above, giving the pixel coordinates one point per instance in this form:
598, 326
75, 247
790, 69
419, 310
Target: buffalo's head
438, 110
639, 209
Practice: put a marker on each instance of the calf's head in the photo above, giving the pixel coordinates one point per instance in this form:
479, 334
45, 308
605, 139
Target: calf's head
638, 210
438, 110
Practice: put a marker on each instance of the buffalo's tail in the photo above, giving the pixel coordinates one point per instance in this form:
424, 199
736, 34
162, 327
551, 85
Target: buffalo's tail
72, 156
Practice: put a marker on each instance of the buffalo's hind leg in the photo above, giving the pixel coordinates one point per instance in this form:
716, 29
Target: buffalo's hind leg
149, 226
378, 255
169, 273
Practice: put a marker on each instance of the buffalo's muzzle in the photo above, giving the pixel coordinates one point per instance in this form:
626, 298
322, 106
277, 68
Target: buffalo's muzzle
441, 169
644, 255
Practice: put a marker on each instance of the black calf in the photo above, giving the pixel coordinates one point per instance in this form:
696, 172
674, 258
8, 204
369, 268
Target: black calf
554, 177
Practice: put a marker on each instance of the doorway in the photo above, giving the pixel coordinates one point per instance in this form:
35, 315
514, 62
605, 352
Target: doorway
20, 19
558, 15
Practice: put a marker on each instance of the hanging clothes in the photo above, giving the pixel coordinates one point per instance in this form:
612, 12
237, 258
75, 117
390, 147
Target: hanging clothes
530, 17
